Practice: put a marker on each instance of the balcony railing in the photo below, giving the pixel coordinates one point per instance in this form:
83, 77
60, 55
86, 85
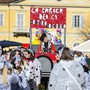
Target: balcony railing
21, 29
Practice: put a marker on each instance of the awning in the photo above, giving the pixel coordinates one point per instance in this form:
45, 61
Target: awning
84, 47
7, 43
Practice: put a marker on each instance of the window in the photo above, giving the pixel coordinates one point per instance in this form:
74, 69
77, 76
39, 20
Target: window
20, 20
77, 21
76, 44
1, 19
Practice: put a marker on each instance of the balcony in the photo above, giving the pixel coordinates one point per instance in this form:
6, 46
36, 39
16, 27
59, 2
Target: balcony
21, 31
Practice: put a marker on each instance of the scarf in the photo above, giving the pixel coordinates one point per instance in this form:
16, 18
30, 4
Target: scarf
46, 46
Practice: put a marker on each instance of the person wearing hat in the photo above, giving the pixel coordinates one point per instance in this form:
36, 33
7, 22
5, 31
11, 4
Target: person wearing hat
32, 69
46, 45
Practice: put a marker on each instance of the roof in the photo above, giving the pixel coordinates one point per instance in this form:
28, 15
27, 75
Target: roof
84, 47
55, 3
9, 1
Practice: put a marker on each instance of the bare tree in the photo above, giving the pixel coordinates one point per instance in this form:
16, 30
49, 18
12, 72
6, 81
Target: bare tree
85, 31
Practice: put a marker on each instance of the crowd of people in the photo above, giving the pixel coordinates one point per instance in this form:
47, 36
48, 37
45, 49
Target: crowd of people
67, 73
21, 70
71, 71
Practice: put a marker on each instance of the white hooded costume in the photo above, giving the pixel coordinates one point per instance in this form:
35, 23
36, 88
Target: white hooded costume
61, 80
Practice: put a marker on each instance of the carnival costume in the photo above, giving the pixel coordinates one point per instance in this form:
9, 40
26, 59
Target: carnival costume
46, 46
5, 73
18, 80
32, 70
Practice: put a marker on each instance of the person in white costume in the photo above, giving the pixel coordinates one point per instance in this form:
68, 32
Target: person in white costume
32, 69
66, 74
18, 80
5, 72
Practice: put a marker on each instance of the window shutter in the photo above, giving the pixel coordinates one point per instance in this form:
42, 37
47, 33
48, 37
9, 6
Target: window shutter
17, 20
82, 21
73, 21
22, 20
1, 19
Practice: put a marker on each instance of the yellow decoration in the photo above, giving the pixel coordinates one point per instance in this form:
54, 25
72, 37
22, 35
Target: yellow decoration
36, 41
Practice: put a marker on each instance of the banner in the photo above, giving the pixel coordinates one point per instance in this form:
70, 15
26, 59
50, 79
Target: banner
47, 17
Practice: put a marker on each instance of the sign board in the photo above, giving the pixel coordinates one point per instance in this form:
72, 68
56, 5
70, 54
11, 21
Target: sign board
47, 17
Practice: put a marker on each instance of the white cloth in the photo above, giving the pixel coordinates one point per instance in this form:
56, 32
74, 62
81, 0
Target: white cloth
87, 79
16, 79
17, 58
61, 80
4, 61
80, 59
5, 86
23, 83
32, 71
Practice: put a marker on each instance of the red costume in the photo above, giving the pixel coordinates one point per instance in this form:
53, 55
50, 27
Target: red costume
49, 48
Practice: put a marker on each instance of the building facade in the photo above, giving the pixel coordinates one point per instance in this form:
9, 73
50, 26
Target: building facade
15, 19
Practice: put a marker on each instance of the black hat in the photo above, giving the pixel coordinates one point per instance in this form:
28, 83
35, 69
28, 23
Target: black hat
32, 52
42, 37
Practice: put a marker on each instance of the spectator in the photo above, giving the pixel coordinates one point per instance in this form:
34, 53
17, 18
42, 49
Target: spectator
79, 57
18, 80
5, 73
67, 74
32, 69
